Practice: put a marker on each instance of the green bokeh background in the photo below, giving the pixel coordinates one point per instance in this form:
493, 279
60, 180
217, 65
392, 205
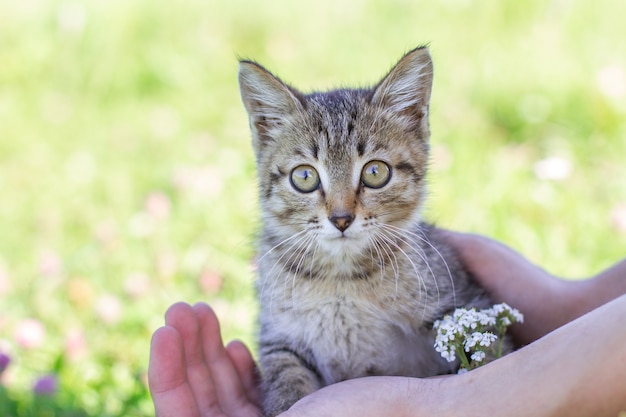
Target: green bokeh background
127, 181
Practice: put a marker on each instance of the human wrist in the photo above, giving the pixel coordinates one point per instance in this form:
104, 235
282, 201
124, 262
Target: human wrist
564, 301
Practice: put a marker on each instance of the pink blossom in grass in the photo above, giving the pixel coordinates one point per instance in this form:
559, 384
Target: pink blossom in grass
5, 282
30, 333
205, 181
46, 385
210, 281
50, 263
75, 344
618, 217
137, 285
158, 205
106, 232
108, 308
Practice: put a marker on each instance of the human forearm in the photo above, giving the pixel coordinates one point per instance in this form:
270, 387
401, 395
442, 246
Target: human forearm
576, 371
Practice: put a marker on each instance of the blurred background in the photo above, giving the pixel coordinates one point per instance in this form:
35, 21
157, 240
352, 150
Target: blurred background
127, 181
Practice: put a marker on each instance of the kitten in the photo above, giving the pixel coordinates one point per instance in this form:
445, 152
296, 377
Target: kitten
350, 278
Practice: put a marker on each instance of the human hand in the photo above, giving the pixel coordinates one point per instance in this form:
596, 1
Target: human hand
376, 396
192, 374
546, 301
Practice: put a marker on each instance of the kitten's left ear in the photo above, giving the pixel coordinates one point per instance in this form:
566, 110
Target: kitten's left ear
406, 89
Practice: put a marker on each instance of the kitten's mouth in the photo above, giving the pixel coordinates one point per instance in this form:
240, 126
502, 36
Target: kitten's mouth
342, 238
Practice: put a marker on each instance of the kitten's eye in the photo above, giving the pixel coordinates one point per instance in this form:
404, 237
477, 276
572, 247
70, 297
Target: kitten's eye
376, 174
305, 178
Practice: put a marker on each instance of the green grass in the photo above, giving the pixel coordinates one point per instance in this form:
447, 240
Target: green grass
127, 181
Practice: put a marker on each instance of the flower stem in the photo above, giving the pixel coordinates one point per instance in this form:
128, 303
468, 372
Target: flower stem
464, 361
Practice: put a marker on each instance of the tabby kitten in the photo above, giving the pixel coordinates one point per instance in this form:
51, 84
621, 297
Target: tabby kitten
350, 279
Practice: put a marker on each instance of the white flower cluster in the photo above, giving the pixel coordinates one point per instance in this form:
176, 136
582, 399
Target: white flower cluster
470, 334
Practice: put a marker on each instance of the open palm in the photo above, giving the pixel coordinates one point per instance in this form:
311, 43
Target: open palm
192, 373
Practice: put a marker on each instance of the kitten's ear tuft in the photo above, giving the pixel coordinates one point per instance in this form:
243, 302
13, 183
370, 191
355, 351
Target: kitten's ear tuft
268, 101
406, 89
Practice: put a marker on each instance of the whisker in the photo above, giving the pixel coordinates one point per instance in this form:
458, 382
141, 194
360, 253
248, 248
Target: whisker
422, 282
397, 234
275, 278
423, 239
392, 258
293, 222
445, 263
378, 254
302, 251
317, 245
282, 242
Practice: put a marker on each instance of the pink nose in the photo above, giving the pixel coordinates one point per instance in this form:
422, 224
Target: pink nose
342, 222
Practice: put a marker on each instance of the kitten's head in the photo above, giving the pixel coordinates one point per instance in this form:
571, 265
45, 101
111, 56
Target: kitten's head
341, 165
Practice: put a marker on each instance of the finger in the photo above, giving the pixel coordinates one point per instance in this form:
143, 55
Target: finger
171, 394
246, 369
492, 263
475, 249
183, 317
230, 390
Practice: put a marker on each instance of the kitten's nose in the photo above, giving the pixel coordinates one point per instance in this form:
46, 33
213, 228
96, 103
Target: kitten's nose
342, 222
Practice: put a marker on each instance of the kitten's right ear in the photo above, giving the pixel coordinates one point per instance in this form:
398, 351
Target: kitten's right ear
268, 101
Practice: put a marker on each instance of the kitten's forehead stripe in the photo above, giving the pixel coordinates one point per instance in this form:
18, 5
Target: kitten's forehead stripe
336, 115
405, 166
380, 147
360, 147
315, 150
350, 127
